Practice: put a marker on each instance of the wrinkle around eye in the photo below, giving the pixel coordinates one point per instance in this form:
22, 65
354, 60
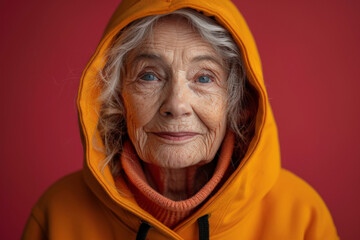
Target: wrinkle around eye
143, 65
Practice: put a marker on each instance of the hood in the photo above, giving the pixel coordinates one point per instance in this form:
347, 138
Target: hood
260, 166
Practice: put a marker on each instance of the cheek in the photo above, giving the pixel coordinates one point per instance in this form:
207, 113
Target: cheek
139, 111
212, 111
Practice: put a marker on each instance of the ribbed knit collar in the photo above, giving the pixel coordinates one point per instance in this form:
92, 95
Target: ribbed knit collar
170, 212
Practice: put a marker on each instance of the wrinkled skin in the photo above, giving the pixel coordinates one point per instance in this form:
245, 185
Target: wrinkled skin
175, 94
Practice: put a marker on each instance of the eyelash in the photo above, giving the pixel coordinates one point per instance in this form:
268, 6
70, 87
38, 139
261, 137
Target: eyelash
148, 74
210, 76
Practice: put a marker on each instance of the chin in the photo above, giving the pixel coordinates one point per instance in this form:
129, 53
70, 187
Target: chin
175, 157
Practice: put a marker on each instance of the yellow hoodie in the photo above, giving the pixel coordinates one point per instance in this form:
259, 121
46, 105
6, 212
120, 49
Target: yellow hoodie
260, 200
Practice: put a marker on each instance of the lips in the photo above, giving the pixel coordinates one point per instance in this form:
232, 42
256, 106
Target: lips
176, 136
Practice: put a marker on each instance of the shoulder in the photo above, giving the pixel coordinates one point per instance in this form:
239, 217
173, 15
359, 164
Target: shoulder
69, 188
67, 196
298, 202
290, 190
70, 210
290, 185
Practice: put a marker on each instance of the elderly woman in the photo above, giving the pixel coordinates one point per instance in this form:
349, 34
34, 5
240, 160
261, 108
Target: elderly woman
179, 138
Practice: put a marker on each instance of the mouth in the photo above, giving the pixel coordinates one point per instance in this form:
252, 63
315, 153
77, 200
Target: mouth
176, 136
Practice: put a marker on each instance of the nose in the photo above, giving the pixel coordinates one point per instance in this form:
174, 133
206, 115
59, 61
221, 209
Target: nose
177, 101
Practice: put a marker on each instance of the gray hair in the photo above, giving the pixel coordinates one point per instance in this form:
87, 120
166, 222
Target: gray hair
241, 101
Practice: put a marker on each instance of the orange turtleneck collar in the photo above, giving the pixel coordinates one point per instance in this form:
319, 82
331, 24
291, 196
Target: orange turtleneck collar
170, 212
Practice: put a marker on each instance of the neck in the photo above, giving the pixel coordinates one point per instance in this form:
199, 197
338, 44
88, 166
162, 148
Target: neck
178, 184
148, 183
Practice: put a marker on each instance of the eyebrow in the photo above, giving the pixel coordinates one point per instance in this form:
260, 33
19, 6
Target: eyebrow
149, 56
207, 58
142, 56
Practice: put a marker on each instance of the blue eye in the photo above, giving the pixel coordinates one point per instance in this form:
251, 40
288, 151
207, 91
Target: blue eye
204, 79
149, 77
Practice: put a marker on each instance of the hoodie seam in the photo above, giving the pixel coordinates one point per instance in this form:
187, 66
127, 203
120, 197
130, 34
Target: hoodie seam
224, 212
245, 55
154, 222
232, 31
32, 215
96, 55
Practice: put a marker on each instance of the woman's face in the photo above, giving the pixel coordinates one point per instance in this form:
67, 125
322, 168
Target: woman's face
175, 95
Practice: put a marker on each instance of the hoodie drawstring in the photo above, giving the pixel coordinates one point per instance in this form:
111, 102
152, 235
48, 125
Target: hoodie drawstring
143, 231
203, 223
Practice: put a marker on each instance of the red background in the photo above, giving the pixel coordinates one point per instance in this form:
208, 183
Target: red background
310, 53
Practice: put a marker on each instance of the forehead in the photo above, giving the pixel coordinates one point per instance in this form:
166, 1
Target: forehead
176, 33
